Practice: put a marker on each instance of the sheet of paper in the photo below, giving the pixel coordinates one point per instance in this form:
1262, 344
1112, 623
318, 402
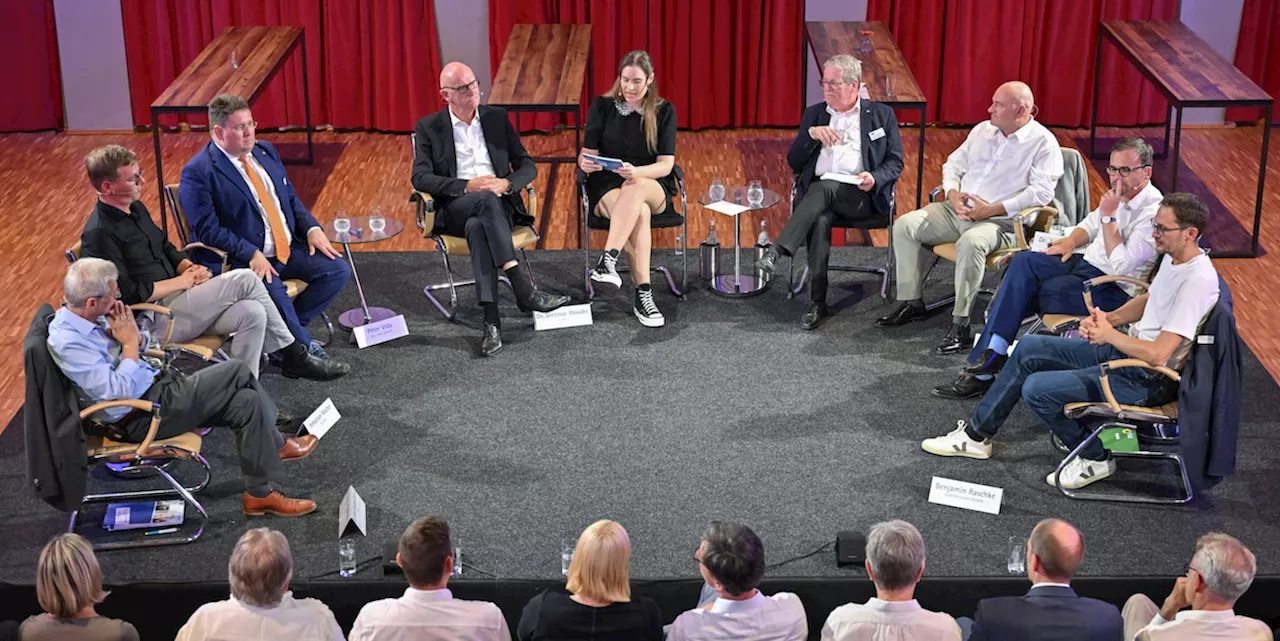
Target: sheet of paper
728, 208
841, 178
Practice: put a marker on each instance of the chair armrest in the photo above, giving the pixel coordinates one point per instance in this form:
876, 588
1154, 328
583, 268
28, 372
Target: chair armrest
1110, 278
533, 200
158, 309
199, 350
933, 193
1120, 363
426, 211
137, 404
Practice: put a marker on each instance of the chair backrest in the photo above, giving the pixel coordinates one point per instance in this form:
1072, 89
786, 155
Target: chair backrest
1071, 194
175, 208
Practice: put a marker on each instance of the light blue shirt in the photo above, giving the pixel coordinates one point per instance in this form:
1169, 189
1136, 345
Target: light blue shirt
88, 356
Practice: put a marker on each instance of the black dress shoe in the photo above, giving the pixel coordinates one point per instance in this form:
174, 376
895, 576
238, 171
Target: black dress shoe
541, 301
309, 366
492, 341
964, 387
991, 364
958, 339
768, 262
906, 312
815, 316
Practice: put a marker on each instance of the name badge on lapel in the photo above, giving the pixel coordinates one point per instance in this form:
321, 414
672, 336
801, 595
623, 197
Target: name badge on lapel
876, 134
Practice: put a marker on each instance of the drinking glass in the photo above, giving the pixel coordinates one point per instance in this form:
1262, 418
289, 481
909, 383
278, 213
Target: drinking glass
716, 193
347, 556
1017, 555
566, 554
235, 62
888, 85
377, 221
457, 555
342, 224
755, 194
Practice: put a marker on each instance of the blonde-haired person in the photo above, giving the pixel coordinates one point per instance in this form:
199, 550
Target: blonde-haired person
261, 605
68, 586
633, 124
596, 602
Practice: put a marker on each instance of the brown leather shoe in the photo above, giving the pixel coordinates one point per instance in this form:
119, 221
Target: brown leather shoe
296, 447
277, 504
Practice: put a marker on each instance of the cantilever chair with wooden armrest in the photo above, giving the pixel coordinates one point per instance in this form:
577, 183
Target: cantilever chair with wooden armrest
292, 286
665, 220
1069, 325
522, 238
886, 272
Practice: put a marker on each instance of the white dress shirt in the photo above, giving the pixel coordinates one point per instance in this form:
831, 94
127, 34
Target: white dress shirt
1195, 625
846, 157
889, 621
268, 240
1019, 171
429, 615
1136, 255
761, 618
469, 148
232, 620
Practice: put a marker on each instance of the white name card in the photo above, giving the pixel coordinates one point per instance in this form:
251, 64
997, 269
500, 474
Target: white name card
380, 331
567, 316
323, 418
964, 495
351, 512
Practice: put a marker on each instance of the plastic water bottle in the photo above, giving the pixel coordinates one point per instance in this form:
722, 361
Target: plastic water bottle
457, 562
566, 554
762, 246
709, 255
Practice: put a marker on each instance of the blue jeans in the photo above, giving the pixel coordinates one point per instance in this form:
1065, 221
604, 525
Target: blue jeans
1050, 371
325, 278
1039, 282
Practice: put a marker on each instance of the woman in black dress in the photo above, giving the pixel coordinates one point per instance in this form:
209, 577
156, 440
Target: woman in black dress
632, 124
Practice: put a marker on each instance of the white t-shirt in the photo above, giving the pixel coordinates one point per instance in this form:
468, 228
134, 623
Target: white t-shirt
1180, 297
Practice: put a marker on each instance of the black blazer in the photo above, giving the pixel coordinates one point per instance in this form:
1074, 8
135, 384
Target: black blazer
435, 163
57, 453
882, 157
1046, 613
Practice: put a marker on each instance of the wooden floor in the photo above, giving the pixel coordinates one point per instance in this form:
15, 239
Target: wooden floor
47, 199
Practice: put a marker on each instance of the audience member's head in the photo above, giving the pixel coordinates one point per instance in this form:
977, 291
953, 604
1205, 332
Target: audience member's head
731, 558
895, 556
1011, 106
1130, 168
426, 553
231, 124
459, 88
90, 287
68, 579
1225, 568
1055, 551
115, 175
260, 567
841, 80
599, 569
1179, 223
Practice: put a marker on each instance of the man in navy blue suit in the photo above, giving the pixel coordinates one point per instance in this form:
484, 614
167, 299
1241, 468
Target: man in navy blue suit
1051, 610
237, 198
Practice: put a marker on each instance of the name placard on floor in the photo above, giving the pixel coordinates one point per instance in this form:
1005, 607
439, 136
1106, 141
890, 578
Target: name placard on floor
380, 331
567, 316
965, 495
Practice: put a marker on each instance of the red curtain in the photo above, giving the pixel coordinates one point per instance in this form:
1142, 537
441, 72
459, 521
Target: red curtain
370, 65
29, 49
1257, 55
964, 50
722, 63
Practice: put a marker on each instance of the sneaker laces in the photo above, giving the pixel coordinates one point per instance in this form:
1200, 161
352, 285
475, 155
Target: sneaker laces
607, 263
644, 302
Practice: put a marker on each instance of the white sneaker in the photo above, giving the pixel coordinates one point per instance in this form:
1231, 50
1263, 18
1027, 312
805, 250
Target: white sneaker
1081, 472
647, 311
957, 443
606, 271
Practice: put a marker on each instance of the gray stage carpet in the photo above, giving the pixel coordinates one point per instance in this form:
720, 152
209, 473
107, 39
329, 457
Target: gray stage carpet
729, 412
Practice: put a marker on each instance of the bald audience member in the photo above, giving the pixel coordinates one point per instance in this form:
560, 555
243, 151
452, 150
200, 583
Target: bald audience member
1201, 603
1007, 164
1051, 610
470, 160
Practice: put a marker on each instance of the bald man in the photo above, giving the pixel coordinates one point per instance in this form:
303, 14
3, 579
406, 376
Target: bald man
1051, 610
1007, 164
470, 159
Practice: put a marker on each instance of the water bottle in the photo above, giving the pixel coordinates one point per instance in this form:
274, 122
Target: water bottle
709, 255
762, 245
347, 556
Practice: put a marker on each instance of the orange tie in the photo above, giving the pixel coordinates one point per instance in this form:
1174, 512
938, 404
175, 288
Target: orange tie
275, 220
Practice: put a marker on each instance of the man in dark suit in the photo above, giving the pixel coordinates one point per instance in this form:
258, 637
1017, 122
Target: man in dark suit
1051, 610
237, 198
855, 140
470, 159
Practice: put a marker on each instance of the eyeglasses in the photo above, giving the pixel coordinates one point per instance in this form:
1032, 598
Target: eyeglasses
135, 179
1124, 171
834, 84
245, 127
1160, 230
474, 84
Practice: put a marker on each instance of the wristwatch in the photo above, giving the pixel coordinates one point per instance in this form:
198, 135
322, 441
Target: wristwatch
1107, 220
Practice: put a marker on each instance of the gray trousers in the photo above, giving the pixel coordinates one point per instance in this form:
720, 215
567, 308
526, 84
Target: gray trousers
914, 233
235, 302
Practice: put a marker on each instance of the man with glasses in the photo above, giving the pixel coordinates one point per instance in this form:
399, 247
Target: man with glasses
238, 199
152, 270
471, 161
847, 157
1115, 238
1049, 372
1007, 164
